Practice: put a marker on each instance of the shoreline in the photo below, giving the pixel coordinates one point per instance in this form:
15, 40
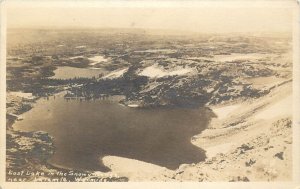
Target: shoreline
214, 147
242, 132
34, 138
240, 139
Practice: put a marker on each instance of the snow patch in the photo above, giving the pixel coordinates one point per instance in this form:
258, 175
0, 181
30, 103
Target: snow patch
96, 59
22, 95
124, 166
80, 47
116, 74
222, 148
74, 57
156, 71
223, 112
133, 105
281, 108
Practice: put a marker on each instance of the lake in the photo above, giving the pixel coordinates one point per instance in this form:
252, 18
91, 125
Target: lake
66, 72
240, 56
86, 131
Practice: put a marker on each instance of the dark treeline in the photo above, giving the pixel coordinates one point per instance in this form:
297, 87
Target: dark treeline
120, 86
56, 81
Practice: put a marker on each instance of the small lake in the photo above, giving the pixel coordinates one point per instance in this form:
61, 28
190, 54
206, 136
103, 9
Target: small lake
239, 56
86, 131
66, 72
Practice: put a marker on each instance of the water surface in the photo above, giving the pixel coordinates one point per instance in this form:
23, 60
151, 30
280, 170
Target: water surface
86, 131
67, 72
240, 56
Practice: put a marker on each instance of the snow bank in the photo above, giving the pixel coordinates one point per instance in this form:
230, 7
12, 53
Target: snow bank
80, 47
156, 71
96, 59
133, 169
281, 108
221, 148
74, 57
22, 95
133, 105
116, 74
223, 112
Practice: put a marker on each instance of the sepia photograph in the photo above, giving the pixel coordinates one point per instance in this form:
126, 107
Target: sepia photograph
150, 91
